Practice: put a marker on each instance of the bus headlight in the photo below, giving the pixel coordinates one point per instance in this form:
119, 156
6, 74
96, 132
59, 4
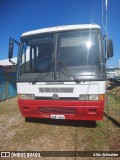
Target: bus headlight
83, 97
26, 96
93, 97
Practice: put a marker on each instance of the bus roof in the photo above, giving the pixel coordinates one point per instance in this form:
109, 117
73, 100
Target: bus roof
61, 28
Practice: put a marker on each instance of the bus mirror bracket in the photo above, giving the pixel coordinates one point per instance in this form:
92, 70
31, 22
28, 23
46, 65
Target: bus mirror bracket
11, 49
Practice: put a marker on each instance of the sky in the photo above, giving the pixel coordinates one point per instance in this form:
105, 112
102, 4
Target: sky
18, 16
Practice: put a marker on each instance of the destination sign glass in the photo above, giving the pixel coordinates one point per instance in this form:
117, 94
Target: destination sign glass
38, 40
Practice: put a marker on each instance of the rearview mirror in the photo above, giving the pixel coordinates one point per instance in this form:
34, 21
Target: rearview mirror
11, 47
109, 48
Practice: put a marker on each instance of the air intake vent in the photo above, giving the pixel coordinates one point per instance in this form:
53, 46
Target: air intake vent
56, 90
58, 110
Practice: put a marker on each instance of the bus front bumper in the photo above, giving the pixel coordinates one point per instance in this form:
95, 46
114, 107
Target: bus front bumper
62, 109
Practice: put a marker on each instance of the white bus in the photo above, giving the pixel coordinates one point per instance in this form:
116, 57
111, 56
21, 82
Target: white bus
61, 72
113, 74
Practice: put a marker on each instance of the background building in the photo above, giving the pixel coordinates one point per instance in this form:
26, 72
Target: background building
7, 79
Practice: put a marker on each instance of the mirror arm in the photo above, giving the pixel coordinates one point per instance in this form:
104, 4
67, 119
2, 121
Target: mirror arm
104, 36
12, 62
13, 40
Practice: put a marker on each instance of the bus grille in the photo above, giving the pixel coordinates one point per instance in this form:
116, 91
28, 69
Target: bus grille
58, 110
56, 90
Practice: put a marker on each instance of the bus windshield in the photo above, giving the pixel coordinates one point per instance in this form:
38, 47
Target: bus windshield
80, 52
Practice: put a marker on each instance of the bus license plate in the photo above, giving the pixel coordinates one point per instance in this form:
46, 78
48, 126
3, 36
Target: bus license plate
54, 116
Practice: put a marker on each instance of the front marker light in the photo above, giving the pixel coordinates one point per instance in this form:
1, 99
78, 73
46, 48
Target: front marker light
26, 96
101, 97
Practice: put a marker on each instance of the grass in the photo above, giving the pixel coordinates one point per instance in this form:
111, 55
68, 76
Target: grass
113, 107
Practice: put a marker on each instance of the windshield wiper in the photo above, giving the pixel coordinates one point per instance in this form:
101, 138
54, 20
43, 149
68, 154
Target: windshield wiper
70, 74
42, 75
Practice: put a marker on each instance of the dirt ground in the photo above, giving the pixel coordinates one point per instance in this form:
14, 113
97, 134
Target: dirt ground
16, 134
